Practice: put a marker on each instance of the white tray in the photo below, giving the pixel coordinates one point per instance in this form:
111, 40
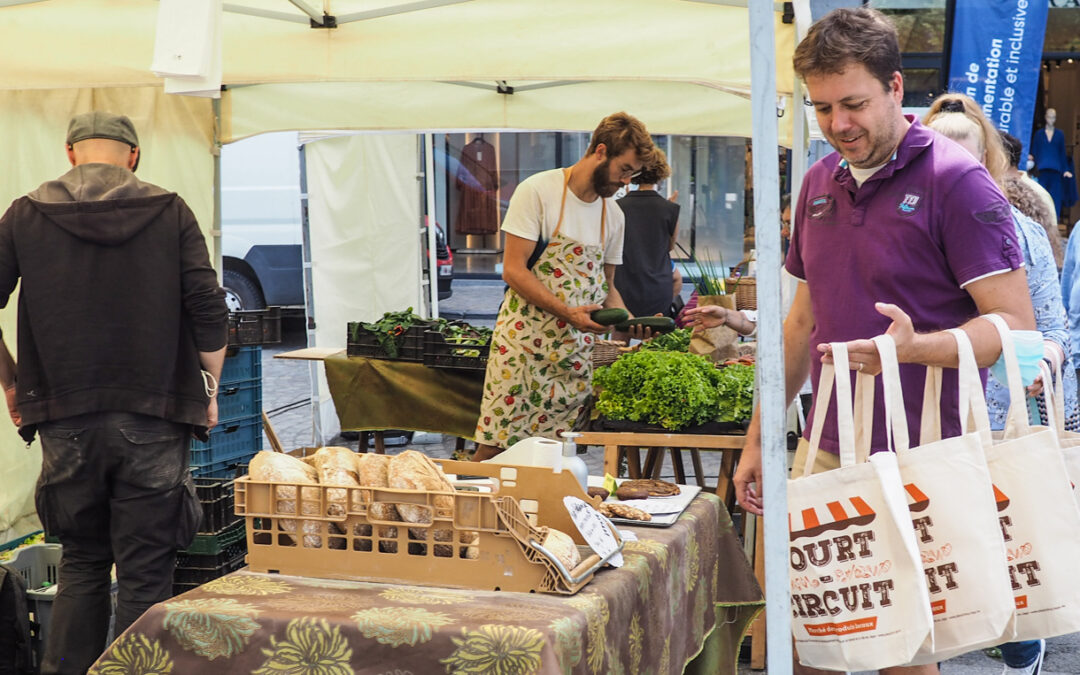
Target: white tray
664, 510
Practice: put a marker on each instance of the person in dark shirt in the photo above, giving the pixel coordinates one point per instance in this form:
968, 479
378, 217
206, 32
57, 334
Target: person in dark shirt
122, 330
645, 279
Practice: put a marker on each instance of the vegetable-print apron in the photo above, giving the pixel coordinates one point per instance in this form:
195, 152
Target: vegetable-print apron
540, 366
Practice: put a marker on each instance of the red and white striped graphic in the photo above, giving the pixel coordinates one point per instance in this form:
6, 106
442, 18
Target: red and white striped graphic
838, 515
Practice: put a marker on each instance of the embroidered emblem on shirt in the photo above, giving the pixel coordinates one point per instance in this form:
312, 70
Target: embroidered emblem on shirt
819, 206
909, 203
994, 213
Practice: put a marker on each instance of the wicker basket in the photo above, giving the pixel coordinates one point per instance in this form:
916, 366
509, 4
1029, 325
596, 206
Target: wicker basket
606, 351
745, 291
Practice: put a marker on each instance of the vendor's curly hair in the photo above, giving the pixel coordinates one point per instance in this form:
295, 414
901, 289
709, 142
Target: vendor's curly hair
620, 132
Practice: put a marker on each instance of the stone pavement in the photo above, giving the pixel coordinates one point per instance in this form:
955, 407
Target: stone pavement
287, 396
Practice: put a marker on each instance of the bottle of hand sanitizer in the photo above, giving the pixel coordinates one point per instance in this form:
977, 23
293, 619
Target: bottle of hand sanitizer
571, 462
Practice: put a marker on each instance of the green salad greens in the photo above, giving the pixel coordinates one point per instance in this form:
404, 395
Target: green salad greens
677, 340
389, 331
673, 389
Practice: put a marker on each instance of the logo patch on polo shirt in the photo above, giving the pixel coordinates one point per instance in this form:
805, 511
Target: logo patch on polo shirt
910, 203
819, 206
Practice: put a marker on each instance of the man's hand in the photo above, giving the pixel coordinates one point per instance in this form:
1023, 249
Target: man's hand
9, 393
748, 475
643, 333
212, 413
863, 354
581, 319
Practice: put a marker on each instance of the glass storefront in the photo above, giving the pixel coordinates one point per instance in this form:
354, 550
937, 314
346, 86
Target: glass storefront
476, 174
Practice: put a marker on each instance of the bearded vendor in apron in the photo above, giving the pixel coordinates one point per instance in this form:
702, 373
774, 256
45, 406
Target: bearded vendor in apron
564, 238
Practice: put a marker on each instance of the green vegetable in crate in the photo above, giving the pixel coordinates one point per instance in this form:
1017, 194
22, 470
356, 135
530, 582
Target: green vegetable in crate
677, 340
389, 331
658, 324
609, 317
466, 334
672, 389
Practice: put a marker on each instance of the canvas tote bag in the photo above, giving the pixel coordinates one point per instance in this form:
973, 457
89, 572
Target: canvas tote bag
859, 598
1055, 413
1038, 515
954, 513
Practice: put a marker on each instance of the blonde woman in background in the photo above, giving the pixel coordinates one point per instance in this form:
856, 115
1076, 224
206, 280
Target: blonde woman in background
959, 118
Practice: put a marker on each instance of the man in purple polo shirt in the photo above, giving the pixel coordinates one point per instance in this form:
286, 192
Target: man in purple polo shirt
898, 232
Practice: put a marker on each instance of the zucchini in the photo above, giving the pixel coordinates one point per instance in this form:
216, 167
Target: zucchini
658, 324
609, 317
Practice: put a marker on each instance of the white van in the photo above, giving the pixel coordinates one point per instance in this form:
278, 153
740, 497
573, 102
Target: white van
261, 233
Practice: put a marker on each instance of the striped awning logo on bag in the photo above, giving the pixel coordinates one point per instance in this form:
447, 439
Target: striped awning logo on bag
917, 499
838, 515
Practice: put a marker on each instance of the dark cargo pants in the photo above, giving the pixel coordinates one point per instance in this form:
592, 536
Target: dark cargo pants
112, 489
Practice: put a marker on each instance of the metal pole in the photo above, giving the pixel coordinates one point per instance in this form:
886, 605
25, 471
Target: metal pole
770, 362
433, 255
215, 225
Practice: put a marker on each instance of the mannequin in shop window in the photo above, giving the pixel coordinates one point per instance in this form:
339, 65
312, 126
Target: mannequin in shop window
1051, 162
477, 181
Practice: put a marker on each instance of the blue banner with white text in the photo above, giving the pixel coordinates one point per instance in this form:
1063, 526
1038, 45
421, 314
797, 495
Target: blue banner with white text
996, 55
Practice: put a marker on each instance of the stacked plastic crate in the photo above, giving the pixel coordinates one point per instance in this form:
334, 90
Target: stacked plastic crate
238, 434
220, 545
39, 566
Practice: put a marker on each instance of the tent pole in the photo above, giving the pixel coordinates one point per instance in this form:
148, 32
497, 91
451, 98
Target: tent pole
770, 362
215, 226
429, 216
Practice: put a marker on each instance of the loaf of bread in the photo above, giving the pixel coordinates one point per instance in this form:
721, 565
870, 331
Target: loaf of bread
412, 470
597, 491
373, 471
654, 487
336, 466
281, 468
562, 546
630, 492
616, 510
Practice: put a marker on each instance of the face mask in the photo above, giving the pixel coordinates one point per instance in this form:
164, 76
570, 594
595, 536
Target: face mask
1030, 164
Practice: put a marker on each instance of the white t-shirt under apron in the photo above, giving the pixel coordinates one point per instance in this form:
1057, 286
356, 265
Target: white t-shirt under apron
534, 212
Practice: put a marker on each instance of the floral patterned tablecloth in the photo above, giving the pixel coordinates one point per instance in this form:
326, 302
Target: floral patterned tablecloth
683, 599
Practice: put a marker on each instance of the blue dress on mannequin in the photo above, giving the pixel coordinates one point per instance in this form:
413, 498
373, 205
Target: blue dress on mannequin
1051, 162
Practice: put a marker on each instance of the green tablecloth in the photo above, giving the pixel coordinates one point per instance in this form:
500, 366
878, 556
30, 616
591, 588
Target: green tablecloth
682, 602
380, 394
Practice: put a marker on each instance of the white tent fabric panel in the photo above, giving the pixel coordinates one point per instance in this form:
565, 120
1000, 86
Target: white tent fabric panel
103, 43
364, 216
665, 107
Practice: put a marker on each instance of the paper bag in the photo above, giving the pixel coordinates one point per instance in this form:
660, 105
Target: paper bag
716, 344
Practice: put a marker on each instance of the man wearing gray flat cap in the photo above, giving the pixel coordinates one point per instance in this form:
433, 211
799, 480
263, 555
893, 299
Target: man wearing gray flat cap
119, 315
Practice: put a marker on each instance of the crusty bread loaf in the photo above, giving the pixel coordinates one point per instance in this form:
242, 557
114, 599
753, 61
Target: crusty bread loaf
278, 467
336, 466
373, 472
562, 546
412, 470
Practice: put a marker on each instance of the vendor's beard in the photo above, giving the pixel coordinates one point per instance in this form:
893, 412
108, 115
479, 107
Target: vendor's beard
601, 180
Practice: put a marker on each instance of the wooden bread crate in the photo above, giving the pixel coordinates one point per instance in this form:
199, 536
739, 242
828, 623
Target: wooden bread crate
482, 540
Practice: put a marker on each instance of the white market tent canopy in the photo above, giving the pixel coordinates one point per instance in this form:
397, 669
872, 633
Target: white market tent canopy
681, 66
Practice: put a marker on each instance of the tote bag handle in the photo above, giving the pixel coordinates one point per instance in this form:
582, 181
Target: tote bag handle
1016, 423
844, 417
974, 415
896, 427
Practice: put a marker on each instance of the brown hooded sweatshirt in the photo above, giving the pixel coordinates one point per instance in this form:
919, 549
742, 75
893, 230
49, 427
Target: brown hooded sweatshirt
117, 298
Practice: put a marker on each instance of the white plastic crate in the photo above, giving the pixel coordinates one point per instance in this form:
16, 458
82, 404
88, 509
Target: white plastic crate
39, 565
